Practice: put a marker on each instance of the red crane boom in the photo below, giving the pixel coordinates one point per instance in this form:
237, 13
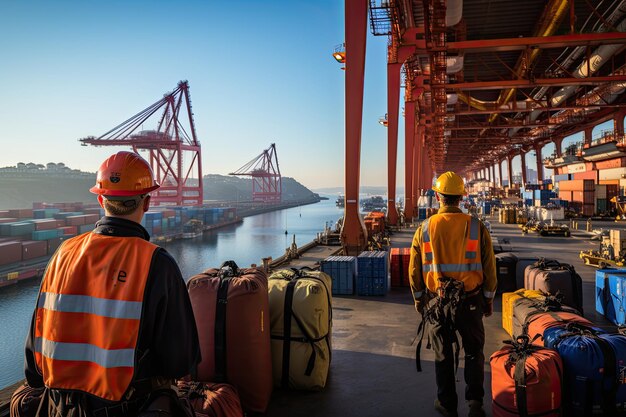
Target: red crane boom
168, 145
265, 173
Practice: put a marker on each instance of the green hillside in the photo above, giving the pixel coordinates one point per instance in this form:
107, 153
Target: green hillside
20, 190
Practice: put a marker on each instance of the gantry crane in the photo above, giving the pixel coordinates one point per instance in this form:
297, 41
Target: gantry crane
265, 173
167, 147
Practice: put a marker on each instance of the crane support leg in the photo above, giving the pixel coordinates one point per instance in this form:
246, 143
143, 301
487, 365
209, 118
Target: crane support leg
509, 167
353, 233
523, 160
409, 137
416, 176
393, 97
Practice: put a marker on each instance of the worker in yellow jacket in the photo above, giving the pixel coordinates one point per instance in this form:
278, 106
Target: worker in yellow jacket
453, 281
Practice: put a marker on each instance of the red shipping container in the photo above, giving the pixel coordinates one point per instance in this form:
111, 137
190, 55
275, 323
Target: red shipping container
32, 249
45, 224
8, 220
21, 213
587, 175
39, 205
612, 190
69, 230
611, 163
95, 211
10, 252
92, 218
4, 214
400, 267
588, 210
75, 220
53, 244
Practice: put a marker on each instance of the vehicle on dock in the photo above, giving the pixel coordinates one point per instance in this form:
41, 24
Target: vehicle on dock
546, 229
604, 257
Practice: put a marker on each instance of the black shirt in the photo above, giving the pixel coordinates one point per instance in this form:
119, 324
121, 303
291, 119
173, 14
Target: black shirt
168, 340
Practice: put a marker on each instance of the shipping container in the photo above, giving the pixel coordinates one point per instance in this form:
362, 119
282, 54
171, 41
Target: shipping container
372, 273
600, 191
34, 249
577, 185
4, 214
612, 173
44, 224
84, 228
69, 230
10, 252
611, 163
46, 234
587, 175
16, 229
343, 271
21, 213
579, 167
8, 220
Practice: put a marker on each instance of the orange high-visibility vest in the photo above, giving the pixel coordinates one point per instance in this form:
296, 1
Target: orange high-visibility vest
451, 248
89, 312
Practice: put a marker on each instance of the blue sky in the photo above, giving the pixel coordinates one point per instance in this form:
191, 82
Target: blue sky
259, 72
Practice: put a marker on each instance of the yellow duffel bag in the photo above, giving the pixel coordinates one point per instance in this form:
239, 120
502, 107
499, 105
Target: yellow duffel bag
508, 303
301, 327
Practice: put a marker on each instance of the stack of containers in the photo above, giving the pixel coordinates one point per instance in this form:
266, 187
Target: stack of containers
372, 273
601, 200
542, 197
579, 192
152, 222
343, 270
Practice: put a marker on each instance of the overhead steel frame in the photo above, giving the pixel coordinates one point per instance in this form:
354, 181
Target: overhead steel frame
353, 233
166, 146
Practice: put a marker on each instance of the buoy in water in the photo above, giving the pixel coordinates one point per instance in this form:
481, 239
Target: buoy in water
286, 232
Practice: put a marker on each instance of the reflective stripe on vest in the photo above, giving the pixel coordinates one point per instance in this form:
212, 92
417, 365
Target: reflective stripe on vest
428, 250
454, 252
89, 314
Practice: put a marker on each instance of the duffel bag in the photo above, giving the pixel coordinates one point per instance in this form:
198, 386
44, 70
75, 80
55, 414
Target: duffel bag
301, 327
553, 277
525, 307
26, 400
231, 309
508, 302
537, 324
211, 400
506, 266
594, 380
525, 380
520, 269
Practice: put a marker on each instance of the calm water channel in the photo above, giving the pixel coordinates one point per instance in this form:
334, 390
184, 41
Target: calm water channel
246, 243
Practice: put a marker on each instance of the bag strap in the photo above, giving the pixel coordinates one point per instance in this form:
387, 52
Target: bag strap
520, 386
220, 328
287, 332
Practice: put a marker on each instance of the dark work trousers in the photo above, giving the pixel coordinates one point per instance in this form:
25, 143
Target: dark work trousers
469, 324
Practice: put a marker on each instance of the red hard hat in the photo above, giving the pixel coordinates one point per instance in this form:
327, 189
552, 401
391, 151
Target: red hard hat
124, 174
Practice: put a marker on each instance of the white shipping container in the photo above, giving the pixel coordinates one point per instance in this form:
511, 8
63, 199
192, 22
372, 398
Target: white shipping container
552, 214
601, 191
622, 186
612, 173
573, 168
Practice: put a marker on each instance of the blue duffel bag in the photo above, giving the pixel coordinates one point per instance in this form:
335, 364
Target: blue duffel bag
594, 369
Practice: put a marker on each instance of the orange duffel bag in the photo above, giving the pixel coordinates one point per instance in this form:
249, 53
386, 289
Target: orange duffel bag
231, 309
210, 400
537, 323
526, 380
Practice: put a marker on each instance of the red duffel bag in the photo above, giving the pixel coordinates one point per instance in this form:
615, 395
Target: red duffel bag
526, 380
211, 400
231, 308
537, 323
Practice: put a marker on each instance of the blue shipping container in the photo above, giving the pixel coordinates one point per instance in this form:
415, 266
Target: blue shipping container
343, 270
372, 273
611, 294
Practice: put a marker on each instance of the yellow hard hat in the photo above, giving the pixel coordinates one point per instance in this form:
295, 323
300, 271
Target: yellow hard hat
449, 183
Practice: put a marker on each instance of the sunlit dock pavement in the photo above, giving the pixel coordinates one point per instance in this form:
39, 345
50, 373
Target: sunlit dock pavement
373, 365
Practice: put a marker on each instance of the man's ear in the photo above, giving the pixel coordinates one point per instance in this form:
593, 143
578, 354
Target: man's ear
100, 200
146, 204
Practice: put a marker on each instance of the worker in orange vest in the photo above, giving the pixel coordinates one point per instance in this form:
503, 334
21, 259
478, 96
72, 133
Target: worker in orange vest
113, 326
453, 281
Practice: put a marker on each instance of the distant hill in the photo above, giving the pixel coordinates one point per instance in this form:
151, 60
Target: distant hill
229, 188
366, 189
21, 188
